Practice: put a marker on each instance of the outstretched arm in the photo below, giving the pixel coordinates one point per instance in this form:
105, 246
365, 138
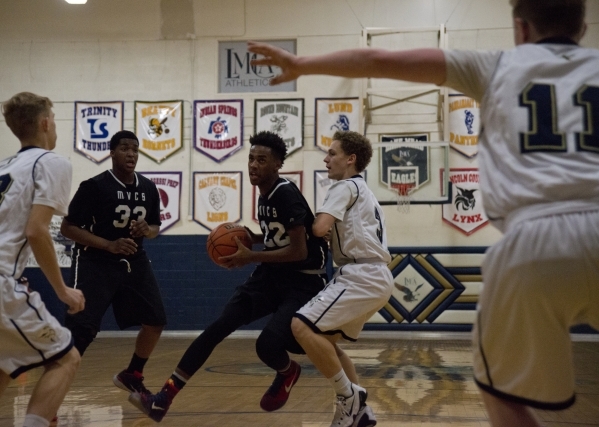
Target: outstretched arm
418, 65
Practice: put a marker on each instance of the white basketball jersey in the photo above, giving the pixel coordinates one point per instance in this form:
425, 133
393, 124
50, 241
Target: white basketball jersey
359, 233
540, 129
32, 177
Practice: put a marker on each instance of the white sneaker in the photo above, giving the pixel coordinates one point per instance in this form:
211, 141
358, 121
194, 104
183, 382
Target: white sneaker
347, 408
365, 418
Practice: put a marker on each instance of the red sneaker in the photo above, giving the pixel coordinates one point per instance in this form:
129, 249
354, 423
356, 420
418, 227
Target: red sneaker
277, 394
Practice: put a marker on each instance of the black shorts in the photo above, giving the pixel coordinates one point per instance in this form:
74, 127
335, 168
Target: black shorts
129, 285
280, 293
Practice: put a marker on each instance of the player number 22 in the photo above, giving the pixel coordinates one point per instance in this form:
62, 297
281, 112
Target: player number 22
543, 133
125, 212
5, 181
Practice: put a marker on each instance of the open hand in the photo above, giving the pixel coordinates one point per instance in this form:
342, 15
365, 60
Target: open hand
275, 56
240, 258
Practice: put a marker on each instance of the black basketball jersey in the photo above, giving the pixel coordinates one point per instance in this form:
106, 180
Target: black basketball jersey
282, 208
105, 206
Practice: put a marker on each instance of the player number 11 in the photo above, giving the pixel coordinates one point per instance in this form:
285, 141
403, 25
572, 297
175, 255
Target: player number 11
543, 133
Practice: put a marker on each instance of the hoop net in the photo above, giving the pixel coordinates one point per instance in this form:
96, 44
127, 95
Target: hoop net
404, 196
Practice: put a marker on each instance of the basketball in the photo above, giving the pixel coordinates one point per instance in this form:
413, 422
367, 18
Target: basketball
221, 241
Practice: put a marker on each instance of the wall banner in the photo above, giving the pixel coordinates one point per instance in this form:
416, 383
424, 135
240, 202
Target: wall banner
95, 123
169, 189
236, 74
62, 245
285, 117
218, 128
333, 114
405, 165
465, 212
216, 198
295, 177
159, 127
464, 124
322, 183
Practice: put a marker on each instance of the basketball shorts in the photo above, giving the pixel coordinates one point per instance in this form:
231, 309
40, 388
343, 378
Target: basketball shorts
354, 295
128, 285
29, 334
280, 293
541, 278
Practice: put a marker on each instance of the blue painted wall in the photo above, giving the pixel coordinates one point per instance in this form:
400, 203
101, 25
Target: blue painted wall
195, 290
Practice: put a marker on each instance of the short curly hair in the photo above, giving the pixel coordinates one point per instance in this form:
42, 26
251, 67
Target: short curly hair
355, 143
272, 141
22, 113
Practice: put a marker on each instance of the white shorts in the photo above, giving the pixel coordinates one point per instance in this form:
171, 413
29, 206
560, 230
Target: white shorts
541, 278
29, 334
355, 293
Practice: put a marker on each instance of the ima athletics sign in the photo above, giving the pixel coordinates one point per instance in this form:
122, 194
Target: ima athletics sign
236, 74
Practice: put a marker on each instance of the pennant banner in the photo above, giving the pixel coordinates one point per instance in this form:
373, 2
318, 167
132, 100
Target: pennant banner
284, 117
62, 245
465, 212
95, 123
169, 189
218, 128
295, 177
216, 198
322, 182
464, 124
159, 127
405, 165
333, 114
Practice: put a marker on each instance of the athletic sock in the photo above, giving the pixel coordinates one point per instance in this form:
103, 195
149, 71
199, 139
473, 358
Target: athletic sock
136, 364
341, 384
286, 370
174, 384
35, 421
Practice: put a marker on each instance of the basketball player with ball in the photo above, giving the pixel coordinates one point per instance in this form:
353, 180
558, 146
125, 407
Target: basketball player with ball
290, 273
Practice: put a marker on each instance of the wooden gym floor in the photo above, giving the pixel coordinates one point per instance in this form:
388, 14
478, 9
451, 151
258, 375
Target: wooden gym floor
412, 381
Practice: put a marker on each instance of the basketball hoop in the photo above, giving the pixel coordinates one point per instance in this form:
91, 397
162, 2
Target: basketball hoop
404, 196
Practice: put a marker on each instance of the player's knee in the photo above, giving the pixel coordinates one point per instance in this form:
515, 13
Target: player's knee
69, 362
299, 328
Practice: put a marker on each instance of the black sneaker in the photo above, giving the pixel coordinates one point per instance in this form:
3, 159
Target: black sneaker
131, 382
154, 406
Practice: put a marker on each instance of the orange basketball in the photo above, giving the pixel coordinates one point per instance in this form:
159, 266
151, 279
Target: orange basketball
221, 240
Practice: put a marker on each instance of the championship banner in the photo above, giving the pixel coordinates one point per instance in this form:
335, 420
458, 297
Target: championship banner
216, 198
333, 114
322, 183
169, 189
62, 245
285, 117
159, 127
218, 128
465, 212
95, 123
464, 124
405, 166
295, 177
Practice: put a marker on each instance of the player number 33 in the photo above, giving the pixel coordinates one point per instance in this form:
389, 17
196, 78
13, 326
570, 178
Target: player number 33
125, 212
